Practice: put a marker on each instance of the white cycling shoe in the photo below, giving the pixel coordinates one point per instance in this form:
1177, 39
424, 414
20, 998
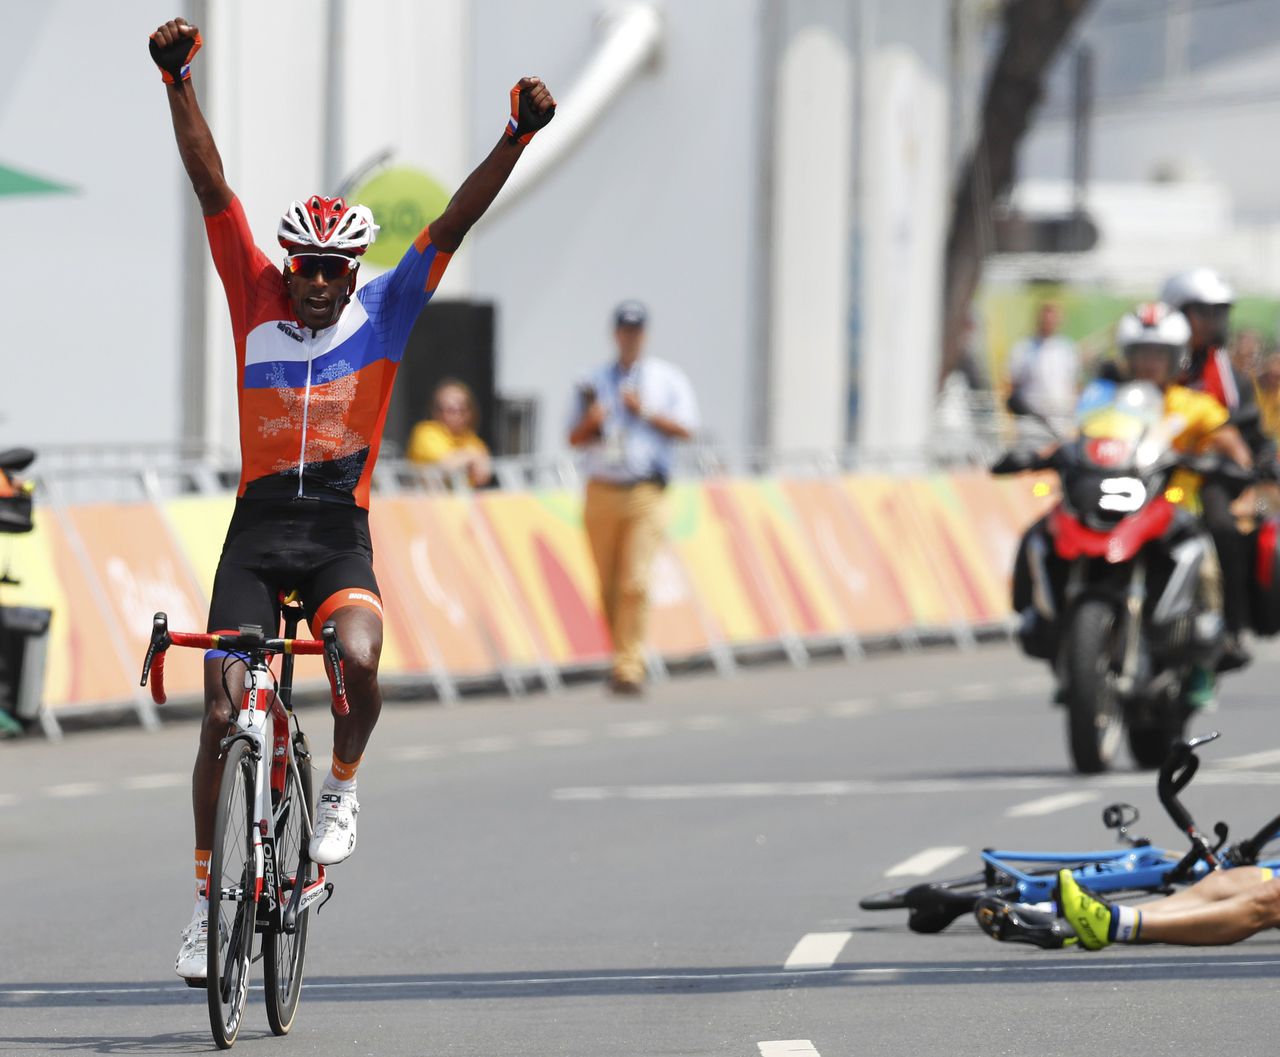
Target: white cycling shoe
193, 956
334, 837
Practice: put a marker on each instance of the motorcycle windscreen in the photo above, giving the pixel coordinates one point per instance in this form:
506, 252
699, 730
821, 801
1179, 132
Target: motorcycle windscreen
1113, 420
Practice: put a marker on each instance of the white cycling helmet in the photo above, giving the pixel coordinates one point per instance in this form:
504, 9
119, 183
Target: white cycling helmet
327, 225
1199, 286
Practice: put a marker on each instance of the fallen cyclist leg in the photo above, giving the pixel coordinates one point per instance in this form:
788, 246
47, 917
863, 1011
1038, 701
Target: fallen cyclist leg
1222, 908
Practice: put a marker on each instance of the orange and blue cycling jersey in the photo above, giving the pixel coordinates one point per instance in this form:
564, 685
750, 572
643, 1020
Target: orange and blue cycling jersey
312, 404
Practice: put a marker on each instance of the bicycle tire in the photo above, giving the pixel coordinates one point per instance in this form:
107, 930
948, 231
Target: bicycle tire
283, 955
896, 898
232, 883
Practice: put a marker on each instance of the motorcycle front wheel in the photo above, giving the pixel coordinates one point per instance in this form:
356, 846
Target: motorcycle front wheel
1095, 714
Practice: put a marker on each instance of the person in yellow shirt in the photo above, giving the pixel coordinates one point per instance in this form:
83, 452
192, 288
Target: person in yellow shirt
1267, 386
447, 440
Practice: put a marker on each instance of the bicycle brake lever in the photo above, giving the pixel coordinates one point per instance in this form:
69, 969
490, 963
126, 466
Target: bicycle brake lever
1219, 831
160, 641
333, 660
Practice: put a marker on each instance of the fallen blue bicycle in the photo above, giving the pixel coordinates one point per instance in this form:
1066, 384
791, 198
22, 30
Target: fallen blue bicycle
1136, 868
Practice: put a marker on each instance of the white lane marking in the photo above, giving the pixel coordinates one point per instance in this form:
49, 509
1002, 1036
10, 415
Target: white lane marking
816, 950
1253, 759
859, 706
974, 692
641, 728
915, 698
708, 722
926, 862
1101, 966
580, 794
788, 1048
1031, 683
556, 738
486, 745
855, 787
73, 789
788, 715
416, 752
156, 781
1047, 805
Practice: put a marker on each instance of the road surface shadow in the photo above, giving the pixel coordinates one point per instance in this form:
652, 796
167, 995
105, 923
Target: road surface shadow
175, 1042
1032, 967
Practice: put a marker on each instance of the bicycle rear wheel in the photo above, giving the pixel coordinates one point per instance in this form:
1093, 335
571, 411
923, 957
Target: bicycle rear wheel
232, 903
283, 953
896, 898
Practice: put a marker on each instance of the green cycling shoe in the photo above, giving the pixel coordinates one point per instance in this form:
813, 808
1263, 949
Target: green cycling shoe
1089, 916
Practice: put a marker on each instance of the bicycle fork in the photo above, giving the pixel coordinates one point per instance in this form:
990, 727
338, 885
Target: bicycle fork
260, 706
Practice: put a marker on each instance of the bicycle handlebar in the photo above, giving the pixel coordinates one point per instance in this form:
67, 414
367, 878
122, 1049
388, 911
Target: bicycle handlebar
1177, 771
250, 640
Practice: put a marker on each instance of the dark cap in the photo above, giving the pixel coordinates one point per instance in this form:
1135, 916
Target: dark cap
630, 314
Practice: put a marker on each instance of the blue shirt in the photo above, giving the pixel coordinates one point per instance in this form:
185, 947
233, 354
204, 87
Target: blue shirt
629, 448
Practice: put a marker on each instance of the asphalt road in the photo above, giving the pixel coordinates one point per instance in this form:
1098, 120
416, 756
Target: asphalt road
580, 876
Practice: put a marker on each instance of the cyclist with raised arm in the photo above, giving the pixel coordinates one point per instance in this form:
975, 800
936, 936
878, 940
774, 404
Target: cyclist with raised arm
315, 363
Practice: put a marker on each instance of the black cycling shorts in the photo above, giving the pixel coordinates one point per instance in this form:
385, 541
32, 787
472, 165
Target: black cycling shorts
320, 550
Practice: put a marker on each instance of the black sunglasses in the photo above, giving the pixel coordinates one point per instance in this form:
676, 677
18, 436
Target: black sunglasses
330, 265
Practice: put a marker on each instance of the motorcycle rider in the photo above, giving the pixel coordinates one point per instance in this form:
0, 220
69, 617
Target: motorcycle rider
1154, 341
1204, 297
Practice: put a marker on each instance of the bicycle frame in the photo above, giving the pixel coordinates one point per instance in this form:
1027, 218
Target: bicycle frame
261, 720
1115, 870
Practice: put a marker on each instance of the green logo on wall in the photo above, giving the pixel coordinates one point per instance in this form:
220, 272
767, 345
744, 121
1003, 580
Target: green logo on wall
404, 201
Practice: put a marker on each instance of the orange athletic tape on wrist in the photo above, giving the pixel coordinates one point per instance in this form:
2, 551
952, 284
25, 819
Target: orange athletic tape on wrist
513, 122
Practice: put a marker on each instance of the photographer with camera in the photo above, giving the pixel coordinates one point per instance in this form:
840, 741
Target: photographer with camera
628, 416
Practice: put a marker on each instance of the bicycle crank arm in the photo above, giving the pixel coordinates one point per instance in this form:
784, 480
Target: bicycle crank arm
327, 893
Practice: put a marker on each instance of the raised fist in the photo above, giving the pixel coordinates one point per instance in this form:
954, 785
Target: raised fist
532, 108
172, 47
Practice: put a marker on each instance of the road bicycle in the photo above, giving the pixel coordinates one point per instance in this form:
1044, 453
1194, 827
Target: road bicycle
1139, 868
261, 878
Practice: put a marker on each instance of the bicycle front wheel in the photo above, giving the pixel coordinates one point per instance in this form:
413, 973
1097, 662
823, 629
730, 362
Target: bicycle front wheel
232, 897
283, 953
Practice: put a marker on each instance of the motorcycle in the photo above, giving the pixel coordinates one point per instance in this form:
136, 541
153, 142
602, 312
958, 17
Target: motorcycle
1108, 584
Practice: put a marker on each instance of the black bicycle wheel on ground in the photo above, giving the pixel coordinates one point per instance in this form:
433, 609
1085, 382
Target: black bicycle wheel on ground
283, 953
232, 908
897, 898
1095, 716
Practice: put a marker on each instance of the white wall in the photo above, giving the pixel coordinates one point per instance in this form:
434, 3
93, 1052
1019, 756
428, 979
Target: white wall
91, 279
812, 206
660, 203
903, 218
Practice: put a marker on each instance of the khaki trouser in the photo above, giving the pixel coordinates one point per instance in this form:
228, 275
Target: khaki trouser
624, 528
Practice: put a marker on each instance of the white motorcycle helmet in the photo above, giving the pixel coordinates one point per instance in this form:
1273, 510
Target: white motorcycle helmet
1156, 325
1199, 286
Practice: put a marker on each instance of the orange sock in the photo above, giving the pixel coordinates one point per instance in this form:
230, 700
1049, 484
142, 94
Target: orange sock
343, 772
202, 872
